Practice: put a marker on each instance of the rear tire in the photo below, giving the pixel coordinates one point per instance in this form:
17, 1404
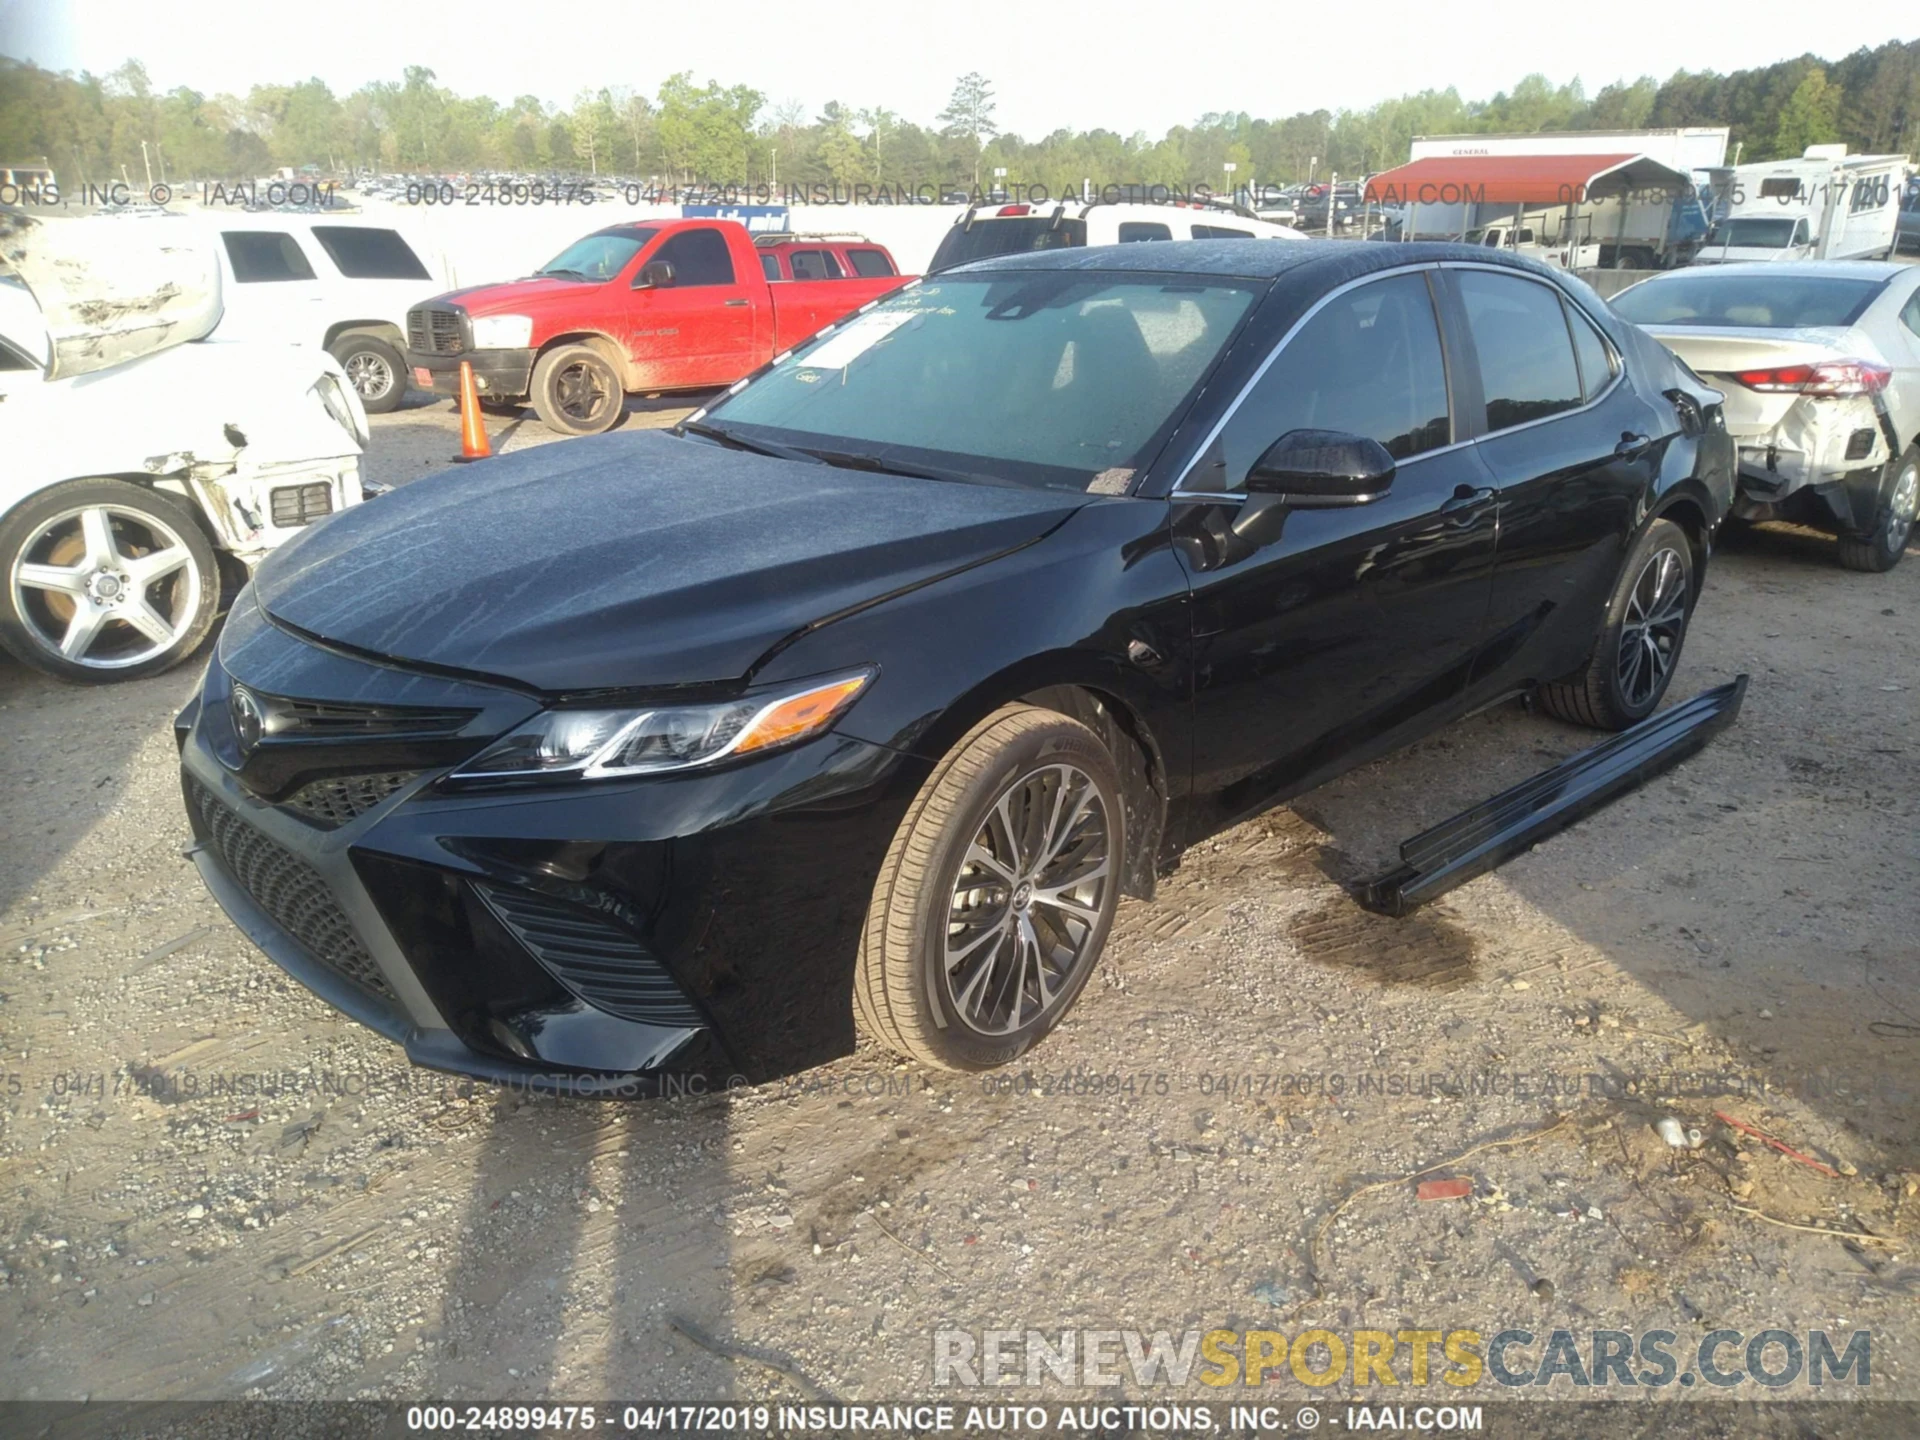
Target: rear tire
102, 580
576, 392
996, 896
374, 369
1639, 644
1880, 549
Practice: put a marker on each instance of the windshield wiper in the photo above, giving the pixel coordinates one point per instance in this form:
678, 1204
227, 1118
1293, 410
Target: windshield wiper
863, 460
564, 270
735, 441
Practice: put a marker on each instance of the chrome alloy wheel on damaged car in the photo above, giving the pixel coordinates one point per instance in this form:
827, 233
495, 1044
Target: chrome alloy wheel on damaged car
1651, 630
996, 896
1027, 901
105, 580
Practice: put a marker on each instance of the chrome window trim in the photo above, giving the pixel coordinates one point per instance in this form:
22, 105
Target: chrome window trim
1619, 374
1206, 443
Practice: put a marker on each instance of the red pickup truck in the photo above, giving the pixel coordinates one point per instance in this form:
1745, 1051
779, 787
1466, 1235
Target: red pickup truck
655, 305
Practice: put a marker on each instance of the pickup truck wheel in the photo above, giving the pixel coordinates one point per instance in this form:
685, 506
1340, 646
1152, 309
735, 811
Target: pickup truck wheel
576, 392
105, 581
997, 894
374, 369
1881, 548
1639, 644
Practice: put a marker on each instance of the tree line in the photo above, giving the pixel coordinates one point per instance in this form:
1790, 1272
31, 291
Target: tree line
100, 128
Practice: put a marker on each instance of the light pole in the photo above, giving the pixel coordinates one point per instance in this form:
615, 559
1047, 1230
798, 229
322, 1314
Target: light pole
1229, 167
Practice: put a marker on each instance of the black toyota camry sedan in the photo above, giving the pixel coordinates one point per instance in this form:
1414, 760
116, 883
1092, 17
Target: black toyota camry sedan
858, 700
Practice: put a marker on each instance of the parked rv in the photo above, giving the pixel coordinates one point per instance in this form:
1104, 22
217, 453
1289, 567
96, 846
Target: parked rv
1827, 205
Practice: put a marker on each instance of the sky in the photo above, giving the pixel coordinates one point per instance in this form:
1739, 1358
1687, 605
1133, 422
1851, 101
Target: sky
1120, 66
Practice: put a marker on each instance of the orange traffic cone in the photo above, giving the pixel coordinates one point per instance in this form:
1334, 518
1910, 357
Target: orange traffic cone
473, 429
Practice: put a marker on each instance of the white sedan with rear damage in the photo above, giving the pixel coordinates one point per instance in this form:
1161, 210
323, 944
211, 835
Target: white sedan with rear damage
132, 491
1820, 362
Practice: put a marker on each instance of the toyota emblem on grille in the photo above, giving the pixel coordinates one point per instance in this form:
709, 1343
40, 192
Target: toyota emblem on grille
248, 722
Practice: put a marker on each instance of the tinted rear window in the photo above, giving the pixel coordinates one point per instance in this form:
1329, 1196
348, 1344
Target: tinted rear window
365, 254
1132, 231
261, 255
1015, 235
1220, 232
1761, 302
870, 262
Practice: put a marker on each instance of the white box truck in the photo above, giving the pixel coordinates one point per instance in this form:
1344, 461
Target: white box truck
1827, 205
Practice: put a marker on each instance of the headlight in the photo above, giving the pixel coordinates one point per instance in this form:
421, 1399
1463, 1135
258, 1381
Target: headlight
502, 332
594, 744
344, 408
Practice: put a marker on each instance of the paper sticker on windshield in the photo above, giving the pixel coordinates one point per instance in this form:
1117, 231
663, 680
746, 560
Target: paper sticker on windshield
1111, 482
855, 338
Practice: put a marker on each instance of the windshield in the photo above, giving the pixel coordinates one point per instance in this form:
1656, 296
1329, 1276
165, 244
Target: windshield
1761, 302
988, 237
598, 257
1754, 234
1044, 378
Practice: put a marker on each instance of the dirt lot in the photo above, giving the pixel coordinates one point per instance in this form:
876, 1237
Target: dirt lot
215, 1186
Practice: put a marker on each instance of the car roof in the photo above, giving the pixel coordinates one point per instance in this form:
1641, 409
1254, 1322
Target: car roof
1332, 261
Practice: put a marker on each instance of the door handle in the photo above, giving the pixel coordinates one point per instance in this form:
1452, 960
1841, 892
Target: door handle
733, 302
1631, 445
1467, 499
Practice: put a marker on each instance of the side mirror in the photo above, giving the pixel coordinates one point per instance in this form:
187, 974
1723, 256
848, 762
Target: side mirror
1319, 469
656, 275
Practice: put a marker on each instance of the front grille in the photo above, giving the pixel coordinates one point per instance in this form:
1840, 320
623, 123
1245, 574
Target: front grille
432, 330
301, 504
333, 802
284, 716
289, 890
598, 961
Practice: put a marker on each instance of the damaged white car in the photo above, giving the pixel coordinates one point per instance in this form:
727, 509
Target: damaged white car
146, 473
1820, 362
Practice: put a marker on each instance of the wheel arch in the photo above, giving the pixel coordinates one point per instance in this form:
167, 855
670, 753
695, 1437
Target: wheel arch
383, 330
613, 353
1689, 511
1102, 696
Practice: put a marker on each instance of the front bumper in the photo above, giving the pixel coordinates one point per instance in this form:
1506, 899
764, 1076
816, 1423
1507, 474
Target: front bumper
602, 939
505, 373
255, 508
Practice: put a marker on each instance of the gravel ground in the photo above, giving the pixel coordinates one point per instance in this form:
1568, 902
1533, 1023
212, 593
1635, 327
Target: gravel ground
214, 1186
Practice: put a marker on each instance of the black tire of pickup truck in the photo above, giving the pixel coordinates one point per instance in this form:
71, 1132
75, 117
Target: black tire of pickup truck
576, 391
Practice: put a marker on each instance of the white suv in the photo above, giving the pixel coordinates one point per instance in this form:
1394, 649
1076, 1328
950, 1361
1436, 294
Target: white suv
339, 282
986, 231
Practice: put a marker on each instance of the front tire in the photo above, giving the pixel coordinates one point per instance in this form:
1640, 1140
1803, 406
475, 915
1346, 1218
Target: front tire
1639, 644
1880, 549
374, 369
576, 392
997, 895
105, 581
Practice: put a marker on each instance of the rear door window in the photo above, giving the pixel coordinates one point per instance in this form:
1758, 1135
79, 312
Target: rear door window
1593, 353
870, 263
1368, 363
808, 264
370, 254
699, 257
263, 256
1527, 369
1137, 230
1220, 232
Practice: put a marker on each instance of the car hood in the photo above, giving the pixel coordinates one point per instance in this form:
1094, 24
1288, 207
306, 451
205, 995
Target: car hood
512, 296
632, 560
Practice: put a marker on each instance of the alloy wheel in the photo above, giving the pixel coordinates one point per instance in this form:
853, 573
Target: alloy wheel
578, 392
106, 586
1650, 631
1027, 901
1903, 506
371, 376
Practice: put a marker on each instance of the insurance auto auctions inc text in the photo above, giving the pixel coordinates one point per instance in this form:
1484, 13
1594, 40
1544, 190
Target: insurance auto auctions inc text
1229, 1360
